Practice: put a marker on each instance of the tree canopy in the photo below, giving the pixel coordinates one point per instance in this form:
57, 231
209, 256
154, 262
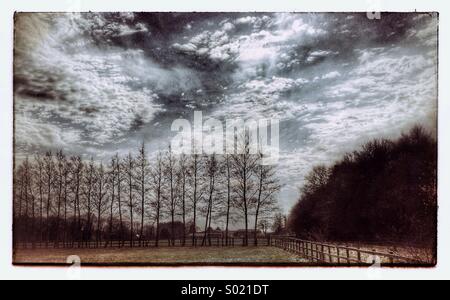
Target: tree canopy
384, 192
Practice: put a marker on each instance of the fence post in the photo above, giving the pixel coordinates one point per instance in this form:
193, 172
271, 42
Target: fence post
316, 249
391, 259
338, 255
322, 255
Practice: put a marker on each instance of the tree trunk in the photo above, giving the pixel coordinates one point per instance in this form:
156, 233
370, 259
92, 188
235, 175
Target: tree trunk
245, 207
209, 225
19, 215
88, 225
49, 191
206, 226
120, 217
258, 206
256, 226
65, 213
172, 205
110, 241
184, 210
41, 207
158, 211
131, 214
78, 208
26, 210
98, 229
119, 202
143, 209
228, 203
194, 232
173, 228
59, 212
33, 220
74, 222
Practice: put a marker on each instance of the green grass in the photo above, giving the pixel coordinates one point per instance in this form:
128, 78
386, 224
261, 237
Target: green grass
161, 256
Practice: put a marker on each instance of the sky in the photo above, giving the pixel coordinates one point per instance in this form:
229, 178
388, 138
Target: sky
94, 84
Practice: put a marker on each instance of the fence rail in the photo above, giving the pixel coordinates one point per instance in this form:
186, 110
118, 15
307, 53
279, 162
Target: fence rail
322, 253
314, 252
198, 242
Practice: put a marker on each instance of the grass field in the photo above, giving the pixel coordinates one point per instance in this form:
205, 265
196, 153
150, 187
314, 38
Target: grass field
161, 256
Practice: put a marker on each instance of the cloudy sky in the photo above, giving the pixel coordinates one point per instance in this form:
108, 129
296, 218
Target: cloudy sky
96, 84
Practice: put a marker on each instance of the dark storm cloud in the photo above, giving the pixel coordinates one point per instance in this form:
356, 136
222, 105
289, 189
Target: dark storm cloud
97, 83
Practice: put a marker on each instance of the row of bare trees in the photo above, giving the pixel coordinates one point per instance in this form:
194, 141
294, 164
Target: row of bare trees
61, 200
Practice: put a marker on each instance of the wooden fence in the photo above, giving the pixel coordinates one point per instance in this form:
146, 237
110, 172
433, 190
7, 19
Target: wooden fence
327, 254
198, 242
315, 252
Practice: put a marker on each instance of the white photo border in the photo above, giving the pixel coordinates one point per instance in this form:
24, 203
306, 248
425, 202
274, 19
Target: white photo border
8, 271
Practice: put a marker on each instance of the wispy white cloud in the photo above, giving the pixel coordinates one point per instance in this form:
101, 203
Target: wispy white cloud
87, 89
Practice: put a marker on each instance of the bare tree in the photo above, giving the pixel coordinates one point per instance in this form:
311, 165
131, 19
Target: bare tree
28, 200
118, 174
157, 177
129, 169
196, 180
60, 173
142, 177
39, 170
89, 189
31, 183
49, 167
112, 179
78, 194
228, 174
18, 199
212, 168
100, 199
279, 224
21, 175
170, 174
76, 186
67, 184
264, 226
182, 174
268, 187
244, 166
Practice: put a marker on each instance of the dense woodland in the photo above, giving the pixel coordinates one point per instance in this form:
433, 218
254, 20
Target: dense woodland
384, 193
61, 200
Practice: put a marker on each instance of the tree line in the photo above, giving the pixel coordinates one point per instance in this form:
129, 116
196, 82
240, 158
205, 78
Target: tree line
63, 200
385, 192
